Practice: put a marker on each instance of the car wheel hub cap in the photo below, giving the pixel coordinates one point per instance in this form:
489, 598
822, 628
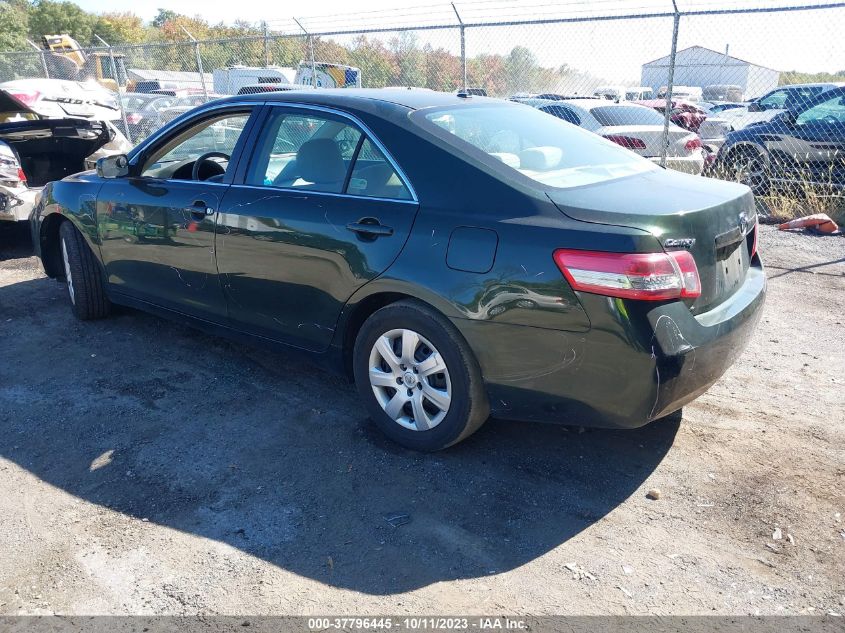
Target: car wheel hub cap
410, 379
68, 277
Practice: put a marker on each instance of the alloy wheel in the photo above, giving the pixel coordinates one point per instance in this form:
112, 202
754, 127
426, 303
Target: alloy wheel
750, 170
410, 379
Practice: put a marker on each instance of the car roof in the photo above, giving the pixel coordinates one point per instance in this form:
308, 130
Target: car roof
412, 99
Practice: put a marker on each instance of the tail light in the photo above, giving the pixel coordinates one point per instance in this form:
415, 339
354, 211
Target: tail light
693, 144
27, 97
646, 276
756, 231
22, 178
629, 142
134, 118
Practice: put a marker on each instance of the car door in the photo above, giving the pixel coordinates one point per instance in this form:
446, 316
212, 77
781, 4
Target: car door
813, 149
321, 210
156, 225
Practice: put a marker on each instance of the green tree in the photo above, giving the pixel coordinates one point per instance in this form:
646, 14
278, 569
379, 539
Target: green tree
520, 69
47, 17
121, 28
14, 23
378, 68
163, 16
409, 60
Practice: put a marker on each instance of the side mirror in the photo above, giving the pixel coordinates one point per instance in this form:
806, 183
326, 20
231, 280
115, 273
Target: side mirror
788, 118
113, 166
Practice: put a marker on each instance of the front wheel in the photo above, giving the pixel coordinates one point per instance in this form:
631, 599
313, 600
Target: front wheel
418, 377
85, 287
748, 166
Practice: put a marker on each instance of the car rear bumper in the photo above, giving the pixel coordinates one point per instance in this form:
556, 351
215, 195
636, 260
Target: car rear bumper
688, 164
18, 203
636, 364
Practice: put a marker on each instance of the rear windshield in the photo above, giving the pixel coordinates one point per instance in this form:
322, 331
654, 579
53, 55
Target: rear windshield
626, 115
527, 141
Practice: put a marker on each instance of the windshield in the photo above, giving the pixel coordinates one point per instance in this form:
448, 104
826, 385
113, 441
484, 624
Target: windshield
626, 115
531, 143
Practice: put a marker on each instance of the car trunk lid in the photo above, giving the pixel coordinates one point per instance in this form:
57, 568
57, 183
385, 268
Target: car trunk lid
652, 137
712, 219
50, 149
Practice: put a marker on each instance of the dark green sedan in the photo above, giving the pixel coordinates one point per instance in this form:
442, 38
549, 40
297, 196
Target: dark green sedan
461, 257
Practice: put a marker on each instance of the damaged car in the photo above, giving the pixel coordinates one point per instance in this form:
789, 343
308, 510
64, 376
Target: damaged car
459, 257
44, 139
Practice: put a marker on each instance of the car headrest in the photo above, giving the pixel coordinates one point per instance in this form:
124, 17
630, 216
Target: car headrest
540, 158
319, 160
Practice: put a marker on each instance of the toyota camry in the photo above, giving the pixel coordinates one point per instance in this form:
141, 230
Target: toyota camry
459, 257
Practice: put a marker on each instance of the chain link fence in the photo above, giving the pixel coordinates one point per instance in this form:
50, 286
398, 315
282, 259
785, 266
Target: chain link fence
694, 65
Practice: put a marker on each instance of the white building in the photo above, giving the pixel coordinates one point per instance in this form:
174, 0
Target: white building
699, 66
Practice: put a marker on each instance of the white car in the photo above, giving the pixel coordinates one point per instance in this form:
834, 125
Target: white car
633, 126
49, 130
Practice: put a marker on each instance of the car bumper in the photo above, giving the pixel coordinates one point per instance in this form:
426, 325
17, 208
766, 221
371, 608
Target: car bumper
18, 203
688, 164
636, 364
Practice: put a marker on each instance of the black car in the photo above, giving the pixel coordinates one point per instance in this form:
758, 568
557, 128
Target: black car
459, 256
800, 148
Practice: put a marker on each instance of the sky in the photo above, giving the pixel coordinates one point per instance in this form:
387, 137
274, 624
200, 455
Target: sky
808, 41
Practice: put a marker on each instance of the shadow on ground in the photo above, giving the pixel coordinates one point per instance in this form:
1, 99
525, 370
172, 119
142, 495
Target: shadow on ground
278, 459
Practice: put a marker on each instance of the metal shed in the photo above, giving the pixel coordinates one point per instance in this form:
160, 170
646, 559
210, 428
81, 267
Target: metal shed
700, 66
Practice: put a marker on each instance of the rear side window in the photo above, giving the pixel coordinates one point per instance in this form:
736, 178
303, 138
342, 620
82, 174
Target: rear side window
562, 112
626, 115
325, 153
374, 177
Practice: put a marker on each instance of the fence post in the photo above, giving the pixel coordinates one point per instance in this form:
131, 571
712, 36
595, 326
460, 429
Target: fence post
266, 44
43, 55
463, 47
311, 47
670, 82
117, 84
199, 62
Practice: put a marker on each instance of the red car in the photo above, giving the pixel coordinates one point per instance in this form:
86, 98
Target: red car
684, 113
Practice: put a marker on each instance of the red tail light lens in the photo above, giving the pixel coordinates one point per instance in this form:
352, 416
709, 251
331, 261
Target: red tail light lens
21, 175
27, 98
645, 276
693, 144
134, 118
756, 230
629, 142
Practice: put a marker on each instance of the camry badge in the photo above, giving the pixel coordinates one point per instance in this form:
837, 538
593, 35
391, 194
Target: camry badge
686, 242
743, 223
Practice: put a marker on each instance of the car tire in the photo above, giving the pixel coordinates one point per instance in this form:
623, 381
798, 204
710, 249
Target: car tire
418, 377
748, 166
83, 277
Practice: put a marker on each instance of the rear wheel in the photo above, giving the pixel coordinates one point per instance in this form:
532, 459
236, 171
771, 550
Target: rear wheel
85, 287
748, 166
418, 377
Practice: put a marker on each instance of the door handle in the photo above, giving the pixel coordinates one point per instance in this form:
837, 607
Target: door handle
370, 228
200, 210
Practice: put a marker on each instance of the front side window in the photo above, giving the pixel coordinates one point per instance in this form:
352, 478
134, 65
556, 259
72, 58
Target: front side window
175, 159
325, 153
528, 142
829, 112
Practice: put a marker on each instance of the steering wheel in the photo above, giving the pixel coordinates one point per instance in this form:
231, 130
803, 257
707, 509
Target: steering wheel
198, 163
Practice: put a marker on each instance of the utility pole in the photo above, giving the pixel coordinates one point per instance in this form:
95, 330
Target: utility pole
670, 84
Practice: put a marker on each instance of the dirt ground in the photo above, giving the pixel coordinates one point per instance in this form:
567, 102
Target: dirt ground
146, 468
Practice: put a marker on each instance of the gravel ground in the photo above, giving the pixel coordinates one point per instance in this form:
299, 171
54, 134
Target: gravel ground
146, 468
